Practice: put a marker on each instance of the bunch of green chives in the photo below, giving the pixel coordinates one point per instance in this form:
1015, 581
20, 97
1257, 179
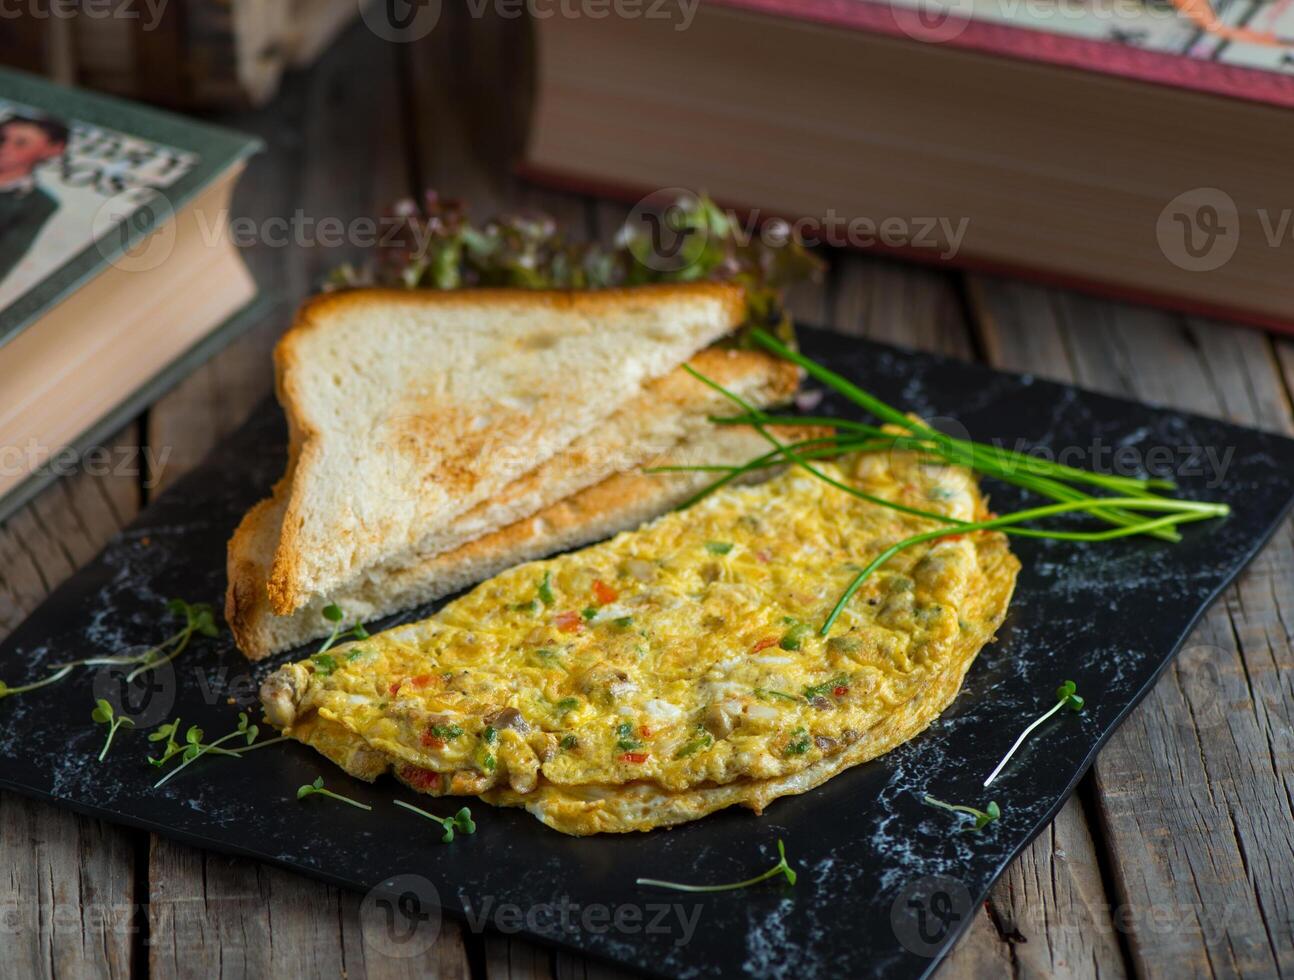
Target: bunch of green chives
1135, 507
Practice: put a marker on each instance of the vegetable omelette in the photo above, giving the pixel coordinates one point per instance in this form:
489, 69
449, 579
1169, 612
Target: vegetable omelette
677, 669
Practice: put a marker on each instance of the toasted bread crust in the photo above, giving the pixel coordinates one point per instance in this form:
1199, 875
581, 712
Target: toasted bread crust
288, 580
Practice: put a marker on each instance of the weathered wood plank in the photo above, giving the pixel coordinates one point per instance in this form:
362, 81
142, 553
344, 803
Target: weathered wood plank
908, 305
67, 897
569, 966
511, 958
1194, 790
1051, 910
450, 75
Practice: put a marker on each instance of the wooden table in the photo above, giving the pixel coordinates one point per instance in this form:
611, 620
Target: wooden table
1174, 859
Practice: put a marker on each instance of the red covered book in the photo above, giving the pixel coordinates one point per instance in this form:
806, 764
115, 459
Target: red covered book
1139, 149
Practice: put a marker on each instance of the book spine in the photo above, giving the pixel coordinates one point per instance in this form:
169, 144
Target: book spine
1007, 41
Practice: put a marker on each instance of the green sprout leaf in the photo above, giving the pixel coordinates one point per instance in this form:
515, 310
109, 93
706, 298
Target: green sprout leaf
982, 818
317, 789
460, 821
199, 618
781, 868
194, 748
1066, 697
167, 731
325, 665
103, 714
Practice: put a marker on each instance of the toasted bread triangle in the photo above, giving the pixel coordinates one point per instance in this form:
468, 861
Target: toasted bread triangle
533, 516
409, 408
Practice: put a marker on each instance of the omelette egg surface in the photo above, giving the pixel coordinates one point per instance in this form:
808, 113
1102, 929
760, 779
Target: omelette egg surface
677, 669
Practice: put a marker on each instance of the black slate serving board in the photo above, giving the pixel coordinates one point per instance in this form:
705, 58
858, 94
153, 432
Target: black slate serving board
885, 886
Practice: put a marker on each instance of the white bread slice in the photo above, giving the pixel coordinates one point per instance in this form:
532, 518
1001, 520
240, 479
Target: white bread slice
408, 408
620, 502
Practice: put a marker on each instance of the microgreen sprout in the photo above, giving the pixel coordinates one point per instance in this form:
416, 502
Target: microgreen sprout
198, 618
57, 675
460, 821
194, 748
1066, 697
317, 789
170, 732
332, 612
780, 868
104, 715
982, 817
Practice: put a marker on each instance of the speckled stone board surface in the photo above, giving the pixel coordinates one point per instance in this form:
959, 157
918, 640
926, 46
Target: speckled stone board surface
885, 883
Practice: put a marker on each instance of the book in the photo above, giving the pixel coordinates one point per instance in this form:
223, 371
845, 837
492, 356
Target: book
1138, 150
115, 269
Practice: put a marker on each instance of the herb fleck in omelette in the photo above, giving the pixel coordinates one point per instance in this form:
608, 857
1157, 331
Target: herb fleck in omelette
678, 669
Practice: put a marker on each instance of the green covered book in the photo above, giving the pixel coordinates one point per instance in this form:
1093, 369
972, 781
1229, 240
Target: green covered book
116, 269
